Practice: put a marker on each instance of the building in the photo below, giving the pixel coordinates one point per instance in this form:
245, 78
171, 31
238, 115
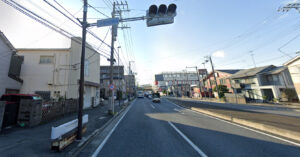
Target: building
267, 83
118, 81
10, 67
222, 77
294, 69
177, 83
130, 85
55, 73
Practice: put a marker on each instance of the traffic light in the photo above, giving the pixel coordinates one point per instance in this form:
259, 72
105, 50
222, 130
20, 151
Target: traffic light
161, 15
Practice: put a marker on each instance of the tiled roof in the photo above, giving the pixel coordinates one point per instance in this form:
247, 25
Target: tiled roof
252, 71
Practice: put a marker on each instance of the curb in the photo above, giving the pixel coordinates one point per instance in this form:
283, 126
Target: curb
263, 127
75, 151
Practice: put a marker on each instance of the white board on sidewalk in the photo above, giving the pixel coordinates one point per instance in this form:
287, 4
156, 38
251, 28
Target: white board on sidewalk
57, 132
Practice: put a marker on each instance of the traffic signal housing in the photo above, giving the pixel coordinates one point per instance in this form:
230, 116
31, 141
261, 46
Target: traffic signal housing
161, 15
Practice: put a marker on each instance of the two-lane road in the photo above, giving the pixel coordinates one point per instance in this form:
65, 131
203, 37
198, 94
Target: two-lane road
164, 129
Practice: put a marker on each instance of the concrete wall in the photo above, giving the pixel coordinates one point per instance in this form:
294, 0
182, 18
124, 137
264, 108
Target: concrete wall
45, 77
5, 81
92, 72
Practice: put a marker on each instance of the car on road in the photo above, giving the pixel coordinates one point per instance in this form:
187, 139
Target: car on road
140, 94
156, 98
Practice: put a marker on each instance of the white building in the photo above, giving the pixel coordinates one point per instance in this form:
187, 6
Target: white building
55, 73
9, 67
267, 82
294, 69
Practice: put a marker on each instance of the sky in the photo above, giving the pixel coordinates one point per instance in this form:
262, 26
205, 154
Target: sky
236, 34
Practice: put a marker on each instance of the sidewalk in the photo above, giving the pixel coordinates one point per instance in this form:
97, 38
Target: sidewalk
285, 126
36, 141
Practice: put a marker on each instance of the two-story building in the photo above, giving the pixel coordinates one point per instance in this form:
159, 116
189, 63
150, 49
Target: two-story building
294, 69
54, 73
222, 77
264, 83
10, 67
118, 81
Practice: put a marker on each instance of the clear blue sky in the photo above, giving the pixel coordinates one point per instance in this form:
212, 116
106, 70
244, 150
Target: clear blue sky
227, 30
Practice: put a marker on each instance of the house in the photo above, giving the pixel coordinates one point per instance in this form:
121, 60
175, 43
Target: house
294, 69
263, 83
222, 77
54, 73
10, 67
118, 81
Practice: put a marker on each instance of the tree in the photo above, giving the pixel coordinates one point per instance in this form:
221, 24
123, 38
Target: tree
222, 89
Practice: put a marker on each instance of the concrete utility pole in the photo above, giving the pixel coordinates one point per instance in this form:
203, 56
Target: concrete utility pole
186, 83
130, 73
199, 83
119, 74
213, 70
81, 82
252, 55
111, 91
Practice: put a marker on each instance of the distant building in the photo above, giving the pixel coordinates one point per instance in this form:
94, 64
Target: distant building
222, 77
118, 80
264, 83
130, 85
178, 83
10, 67
294, 69
55, 73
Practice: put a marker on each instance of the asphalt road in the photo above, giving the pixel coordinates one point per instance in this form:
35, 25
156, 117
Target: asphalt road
163, 129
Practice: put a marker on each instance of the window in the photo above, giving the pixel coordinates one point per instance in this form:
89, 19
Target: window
46, 59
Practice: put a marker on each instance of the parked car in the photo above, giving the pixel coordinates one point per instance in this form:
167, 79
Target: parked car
156, 98
12, 105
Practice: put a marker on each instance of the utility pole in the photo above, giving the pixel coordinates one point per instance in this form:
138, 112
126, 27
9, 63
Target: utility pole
81, 82
186, 83
130, 74
119, 75
252, 55
213, 70
199, 83
111, 91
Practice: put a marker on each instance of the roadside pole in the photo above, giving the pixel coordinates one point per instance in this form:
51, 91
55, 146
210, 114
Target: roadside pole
213, 70
199, 83
81, 82
111, 91
119, 75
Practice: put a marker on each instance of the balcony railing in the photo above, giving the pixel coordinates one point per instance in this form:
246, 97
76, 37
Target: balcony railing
271, 83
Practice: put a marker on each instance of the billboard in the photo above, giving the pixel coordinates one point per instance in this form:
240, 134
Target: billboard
202, 72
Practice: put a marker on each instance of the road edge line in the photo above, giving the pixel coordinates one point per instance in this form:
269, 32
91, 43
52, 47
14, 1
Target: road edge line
99, 148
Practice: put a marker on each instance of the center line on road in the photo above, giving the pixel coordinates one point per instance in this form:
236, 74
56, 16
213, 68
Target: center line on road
199, 151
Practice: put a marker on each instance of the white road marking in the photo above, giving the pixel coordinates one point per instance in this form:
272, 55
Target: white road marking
103, 117
175, 109
199, 151
152, 106
111, 131
260, 132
